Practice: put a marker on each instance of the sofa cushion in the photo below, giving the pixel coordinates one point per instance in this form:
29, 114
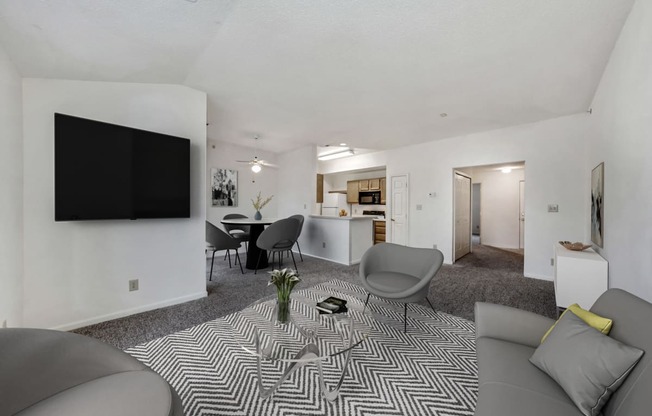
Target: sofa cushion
392, 282
507, 363
595, 321
498, 399
588, 365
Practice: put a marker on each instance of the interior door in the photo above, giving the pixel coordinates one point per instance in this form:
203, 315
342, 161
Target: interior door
521, 210
399, 215
462, 191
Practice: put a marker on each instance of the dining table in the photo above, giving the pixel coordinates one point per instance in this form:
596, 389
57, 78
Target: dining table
256, 227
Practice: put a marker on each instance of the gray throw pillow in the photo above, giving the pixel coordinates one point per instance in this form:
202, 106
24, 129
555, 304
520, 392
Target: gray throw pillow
587, 364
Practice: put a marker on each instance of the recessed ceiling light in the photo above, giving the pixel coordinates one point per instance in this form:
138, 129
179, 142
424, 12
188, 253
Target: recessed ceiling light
342, 144
443, 115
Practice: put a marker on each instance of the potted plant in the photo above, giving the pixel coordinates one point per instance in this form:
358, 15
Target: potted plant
259, 203
284, 280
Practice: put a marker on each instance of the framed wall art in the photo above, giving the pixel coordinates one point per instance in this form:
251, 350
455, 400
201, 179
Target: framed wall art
224, 187
597, 205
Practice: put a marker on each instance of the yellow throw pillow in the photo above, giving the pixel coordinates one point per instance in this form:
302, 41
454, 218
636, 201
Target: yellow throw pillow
595, 321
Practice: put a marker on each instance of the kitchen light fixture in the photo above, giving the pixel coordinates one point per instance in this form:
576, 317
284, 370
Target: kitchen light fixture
342, 144
256, 168
506, 170
335, 155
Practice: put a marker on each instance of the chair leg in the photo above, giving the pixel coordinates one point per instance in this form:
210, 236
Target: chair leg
299, 247
433, 308
405, 318
210, 276
295, 263
237, 258
366, 302
229, 254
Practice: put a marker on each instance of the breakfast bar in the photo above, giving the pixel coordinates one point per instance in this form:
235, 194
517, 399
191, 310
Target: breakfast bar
340, 239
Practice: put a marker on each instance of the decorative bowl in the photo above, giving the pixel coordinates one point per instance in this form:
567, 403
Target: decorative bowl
577, 246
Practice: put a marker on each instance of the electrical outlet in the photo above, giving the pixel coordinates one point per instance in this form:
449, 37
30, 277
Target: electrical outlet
552, 261
133, 285
419, 207
4, 323
305, 206
434, 246
323, 245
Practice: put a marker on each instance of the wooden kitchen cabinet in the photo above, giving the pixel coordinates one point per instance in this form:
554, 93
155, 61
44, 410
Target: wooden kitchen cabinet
352, 192
320, 188
374, 184
379, 232
383, 191
363, 184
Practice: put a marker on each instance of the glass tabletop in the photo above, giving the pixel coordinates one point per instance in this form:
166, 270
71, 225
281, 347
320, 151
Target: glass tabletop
307, 336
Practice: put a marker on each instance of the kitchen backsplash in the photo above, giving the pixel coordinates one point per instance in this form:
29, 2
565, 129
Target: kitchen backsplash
357, 208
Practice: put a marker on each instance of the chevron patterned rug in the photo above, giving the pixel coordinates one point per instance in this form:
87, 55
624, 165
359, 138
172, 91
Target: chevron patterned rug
431, 370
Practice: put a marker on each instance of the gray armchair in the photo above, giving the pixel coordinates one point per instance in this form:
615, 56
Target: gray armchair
399, 273
300, 219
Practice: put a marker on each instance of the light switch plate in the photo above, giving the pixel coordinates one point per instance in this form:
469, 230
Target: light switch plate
553, 208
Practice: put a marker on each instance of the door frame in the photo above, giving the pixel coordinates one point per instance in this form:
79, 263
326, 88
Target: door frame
521, 215
457, 172
390, 202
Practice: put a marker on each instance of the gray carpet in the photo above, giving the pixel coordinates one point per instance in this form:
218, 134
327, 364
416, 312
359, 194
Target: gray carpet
488, 275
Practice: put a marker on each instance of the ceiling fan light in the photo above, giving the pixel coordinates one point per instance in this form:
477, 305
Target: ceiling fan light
255, 168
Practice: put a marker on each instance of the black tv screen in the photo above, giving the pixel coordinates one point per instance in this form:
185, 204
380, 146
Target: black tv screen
105, 171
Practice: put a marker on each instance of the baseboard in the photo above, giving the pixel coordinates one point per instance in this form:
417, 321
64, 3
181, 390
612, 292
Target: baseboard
127, 312
324, 258
538, 276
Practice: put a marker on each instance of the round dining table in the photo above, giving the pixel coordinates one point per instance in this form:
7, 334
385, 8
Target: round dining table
255, 228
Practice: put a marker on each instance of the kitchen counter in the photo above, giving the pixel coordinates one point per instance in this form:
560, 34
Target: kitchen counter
380, 219
340, 239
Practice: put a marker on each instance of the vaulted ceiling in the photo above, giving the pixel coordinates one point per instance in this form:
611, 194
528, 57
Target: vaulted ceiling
373, 73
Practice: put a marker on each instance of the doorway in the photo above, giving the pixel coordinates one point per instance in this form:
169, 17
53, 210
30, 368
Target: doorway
462, 212
399, 214
476, 218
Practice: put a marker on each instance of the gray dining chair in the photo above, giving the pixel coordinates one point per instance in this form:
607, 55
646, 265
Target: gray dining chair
280, 236
217, 240
301, 219
399, 273
239, 232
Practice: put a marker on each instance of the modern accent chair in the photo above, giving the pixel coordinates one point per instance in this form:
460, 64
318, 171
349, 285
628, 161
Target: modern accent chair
399, 273
277, 238
239, 232
301, 219
217, 240
45, 372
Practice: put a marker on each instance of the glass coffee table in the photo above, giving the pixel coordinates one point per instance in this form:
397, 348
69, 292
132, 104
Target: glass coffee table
307, 337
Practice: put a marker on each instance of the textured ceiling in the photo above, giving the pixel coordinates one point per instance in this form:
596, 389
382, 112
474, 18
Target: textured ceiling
374, 74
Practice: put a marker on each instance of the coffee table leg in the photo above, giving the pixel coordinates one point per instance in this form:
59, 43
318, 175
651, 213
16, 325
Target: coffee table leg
309, 351
327, 393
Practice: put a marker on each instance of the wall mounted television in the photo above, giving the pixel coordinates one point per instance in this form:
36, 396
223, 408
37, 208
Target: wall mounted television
104, 171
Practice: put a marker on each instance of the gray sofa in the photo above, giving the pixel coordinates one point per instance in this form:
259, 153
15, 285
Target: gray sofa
55, 373
510, 385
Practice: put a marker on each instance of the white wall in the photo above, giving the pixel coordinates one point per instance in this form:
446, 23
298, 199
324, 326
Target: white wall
553, 151
224, 155
621, 136
77, 273
499, 206
11, 191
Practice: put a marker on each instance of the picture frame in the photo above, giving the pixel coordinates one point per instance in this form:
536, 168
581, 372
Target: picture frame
597, 205
224, 187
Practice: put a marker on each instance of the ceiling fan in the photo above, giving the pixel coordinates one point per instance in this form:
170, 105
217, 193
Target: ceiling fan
257, 164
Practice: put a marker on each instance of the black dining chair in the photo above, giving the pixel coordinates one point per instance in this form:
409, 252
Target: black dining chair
217, 240
277, 238
239, 232
300, 218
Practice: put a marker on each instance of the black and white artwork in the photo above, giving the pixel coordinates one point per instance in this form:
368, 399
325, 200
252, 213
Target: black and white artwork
597, 205
224, 187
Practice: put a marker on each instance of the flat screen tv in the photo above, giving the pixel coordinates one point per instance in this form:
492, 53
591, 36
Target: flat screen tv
104, 171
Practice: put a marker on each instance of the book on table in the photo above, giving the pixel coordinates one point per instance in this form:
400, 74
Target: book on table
332, 305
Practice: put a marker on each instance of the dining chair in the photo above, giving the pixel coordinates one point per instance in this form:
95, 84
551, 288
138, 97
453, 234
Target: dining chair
239, 232
277, 238
301, 219
399, 273
217, 240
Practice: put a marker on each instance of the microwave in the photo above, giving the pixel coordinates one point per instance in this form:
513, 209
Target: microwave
369, 198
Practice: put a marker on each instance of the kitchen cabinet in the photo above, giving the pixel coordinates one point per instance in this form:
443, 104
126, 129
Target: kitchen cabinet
580, 277
379, 232
363, 184
352, 192
383, 185
374, 184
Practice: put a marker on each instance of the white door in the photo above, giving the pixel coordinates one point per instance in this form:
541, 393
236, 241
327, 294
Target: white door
462, 191
521, 210
399, 220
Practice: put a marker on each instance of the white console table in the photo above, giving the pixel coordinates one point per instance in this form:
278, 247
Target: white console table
580, 277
